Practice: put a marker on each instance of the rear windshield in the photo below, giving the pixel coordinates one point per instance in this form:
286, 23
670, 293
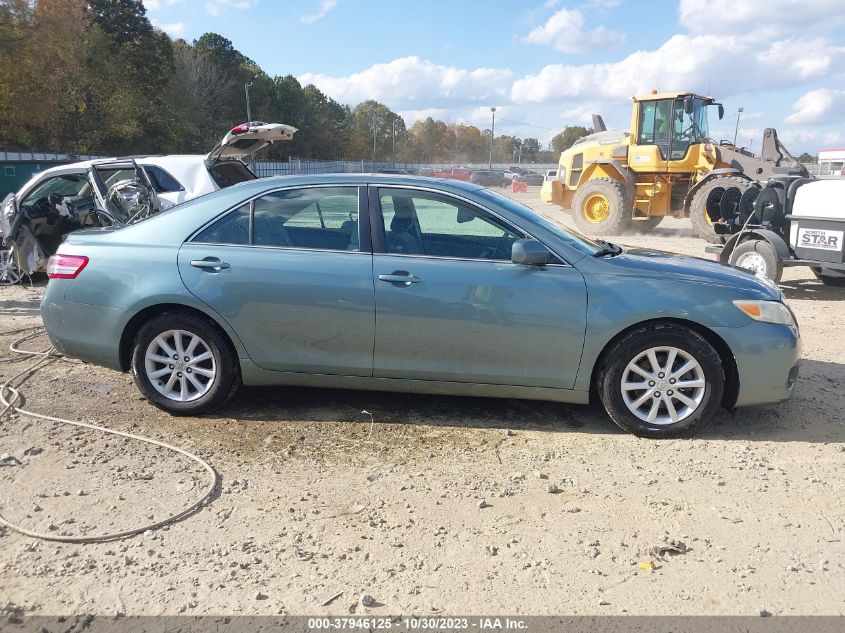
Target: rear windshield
228, 173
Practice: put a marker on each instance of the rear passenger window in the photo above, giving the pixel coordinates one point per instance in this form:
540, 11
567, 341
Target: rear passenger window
162, 181
233, 228
324, 218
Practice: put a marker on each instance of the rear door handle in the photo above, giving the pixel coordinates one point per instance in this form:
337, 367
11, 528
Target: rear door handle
400, 277
209, 263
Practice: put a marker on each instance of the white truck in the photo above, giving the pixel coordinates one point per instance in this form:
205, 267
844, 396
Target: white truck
789, 221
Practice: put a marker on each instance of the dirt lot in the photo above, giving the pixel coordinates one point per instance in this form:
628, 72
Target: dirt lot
315, 500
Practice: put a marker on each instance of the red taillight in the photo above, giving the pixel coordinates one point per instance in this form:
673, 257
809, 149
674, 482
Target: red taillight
66, 266
240, 129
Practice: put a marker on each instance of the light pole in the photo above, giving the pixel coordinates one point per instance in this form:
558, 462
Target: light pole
739, 111
492, 136
247, 85
393, 136
375, 129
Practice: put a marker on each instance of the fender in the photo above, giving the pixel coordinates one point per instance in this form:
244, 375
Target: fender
771, 237
619, 167
725, 171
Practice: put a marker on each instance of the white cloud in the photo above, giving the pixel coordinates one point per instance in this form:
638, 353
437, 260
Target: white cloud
155, 5
564, 31
410, 83
582, 113
756, 18
215, 6
325, 7
797, 136
173, 29
721, 65
818, 106
832, 138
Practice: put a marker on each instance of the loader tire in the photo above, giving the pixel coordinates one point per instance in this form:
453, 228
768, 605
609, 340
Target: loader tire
710, 195
601, 207
647, 225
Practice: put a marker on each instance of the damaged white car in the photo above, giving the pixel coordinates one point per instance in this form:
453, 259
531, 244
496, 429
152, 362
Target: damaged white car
116, 192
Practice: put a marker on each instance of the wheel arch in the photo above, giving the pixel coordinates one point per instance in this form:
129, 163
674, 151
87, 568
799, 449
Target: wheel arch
134, 324
609, 168
781, 248
729, 366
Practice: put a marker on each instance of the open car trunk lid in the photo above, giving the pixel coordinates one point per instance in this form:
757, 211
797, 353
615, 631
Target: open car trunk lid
247, 139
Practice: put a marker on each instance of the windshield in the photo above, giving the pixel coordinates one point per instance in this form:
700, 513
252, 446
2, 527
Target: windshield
694, 125
66, 185
581, 243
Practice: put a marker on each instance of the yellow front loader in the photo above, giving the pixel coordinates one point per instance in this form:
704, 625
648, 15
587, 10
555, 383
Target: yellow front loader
615, 182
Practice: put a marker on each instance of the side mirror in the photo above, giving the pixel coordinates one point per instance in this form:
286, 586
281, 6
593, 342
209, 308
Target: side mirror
721, 111
530, 253
688, 107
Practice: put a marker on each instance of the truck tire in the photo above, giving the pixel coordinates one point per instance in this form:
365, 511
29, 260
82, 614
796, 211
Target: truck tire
601, 207
758, 256
701, 221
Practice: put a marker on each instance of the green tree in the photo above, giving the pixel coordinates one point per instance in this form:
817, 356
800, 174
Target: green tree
373, 127
564, 140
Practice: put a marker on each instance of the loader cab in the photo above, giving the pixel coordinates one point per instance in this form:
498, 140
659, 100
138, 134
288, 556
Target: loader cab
664, 128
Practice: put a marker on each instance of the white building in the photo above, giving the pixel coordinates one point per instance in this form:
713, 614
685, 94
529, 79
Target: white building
832, 161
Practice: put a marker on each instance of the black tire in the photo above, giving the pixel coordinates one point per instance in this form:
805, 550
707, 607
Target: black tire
828, 280
614, 367
225, 381
702, 222
619, 209
647, 225
763, 254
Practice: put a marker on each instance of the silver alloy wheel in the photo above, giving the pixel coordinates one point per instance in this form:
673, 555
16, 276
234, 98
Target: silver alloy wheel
10, 274
180, 365
753, 262
663, 385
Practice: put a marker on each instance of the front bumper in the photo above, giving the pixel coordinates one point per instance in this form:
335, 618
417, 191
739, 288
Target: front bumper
767, 359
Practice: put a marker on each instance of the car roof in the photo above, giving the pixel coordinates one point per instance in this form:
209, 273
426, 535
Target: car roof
356, 179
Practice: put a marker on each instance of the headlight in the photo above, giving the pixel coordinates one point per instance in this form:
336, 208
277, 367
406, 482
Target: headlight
767, 312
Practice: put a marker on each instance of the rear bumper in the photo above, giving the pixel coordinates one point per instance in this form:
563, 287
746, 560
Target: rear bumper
767, 360
90, 333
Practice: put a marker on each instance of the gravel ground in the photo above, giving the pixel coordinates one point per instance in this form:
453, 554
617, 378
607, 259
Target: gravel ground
318, 505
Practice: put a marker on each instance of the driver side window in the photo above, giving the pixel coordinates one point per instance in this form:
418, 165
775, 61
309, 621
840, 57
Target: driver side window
423, 223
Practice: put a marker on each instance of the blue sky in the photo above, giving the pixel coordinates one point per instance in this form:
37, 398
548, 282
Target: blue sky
548, 63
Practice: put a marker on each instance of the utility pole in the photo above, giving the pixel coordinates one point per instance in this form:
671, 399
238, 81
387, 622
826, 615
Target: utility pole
492, 136
739, 111
375, 129
393, 136
247, 85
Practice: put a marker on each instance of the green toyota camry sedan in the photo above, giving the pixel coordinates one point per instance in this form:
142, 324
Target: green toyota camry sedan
402, 283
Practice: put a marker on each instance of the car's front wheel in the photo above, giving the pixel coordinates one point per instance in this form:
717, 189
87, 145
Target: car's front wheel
661, 381
183, 364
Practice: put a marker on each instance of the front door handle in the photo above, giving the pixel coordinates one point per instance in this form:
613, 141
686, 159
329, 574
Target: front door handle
400, 277
209, 263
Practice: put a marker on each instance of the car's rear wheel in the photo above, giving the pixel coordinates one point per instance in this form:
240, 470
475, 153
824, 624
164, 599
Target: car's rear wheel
661, 381
183, 364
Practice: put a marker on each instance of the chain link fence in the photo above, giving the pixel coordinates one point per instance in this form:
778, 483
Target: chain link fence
296, 166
